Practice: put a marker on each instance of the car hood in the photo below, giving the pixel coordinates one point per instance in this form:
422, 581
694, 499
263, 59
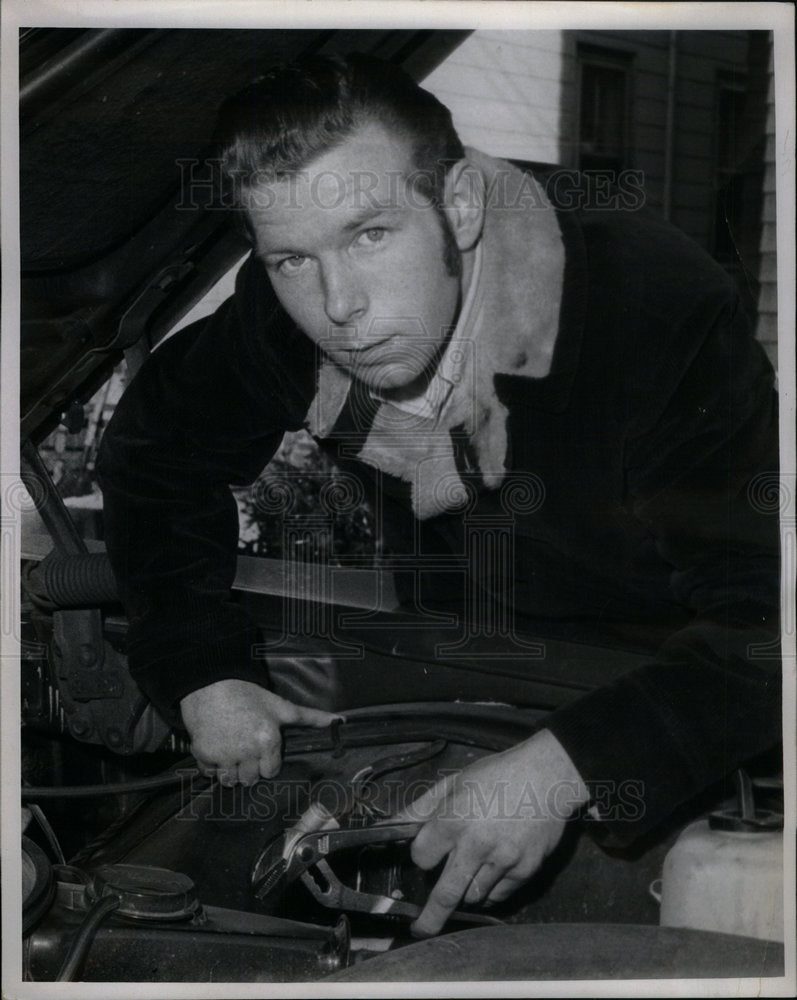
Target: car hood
111, 121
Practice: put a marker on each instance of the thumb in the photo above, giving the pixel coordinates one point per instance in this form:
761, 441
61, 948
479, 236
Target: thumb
290, 714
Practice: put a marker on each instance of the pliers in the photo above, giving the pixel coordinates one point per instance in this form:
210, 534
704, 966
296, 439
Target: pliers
299, 852
355, 810
310, 853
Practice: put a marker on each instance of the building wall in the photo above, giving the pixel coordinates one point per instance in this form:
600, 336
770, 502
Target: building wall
504, 91
700, 56
646, 54
702, 64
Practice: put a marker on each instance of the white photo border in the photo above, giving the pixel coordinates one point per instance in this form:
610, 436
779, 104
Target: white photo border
287, 14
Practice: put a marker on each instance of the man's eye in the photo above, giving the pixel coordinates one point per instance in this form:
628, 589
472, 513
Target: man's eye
371, 236
291, 263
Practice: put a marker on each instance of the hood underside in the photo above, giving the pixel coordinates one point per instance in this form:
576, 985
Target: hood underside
110, 121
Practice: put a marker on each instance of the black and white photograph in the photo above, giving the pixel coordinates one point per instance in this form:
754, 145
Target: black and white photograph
398, 499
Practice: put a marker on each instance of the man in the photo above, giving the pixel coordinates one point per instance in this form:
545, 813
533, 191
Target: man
438, 323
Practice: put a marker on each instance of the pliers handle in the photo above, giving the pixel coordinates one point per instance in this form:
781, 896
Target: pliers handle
333, 893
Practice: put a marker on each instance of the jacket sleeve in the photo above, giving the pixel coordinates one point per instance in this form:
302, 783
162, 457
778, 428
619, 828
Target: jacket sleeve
702, 478
207, 410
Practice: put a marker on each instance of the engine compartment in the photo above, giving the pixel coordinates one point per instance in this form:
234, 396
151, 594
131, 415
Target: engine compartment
180, 857
137, 869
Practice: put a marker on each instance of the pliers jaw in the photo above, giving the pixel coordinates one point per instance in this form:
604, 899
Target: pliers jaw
291, 854
307, 859
356, 811
303, 852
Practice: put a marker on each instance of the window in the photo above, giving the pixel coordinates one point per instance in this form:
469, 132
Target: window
729, 177
603, 121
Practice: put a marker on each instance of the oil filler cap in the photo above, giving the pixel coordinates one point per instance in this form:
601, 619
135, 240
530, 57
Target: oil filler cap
146, 893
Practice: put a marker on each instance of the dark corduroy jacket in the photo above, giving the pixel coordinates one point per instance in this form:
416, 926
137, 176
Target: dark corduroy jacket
654, 436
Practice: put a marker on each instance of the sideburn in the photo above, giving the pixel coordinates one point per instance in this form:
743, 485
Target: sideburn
452, 258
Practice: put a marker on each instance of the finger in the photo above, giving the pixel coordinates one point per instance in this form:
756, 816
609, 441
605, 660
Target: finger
504, 888
270, 760
206, 769
431, 844
446, 895
483, 883
227, 776
248, 771
291, 714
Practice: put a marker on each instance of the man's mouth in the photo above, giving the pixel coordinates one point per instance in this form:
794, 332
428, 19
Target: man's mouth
359, 355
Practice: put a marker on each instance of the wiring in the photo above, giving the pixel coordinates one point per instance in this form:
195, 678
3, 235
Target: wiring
301, 742
153, 784
184, 770
84, 936
48, 831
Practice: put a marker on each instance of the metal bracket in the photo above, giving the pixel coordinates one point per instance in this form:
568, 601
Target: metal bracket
101, 701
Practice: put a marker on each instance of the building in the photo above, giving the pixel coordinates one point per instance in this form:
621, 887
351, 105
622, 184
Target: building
692, 111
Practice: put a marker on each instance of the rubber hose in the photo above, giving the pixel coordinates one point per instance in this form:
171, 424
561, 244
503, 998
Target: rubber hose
153, 784
78, 581
84, 936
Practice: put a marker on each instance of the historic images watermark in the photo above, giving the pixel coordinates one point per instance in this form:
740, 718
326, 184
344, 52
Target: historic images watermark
204, 184
284, 800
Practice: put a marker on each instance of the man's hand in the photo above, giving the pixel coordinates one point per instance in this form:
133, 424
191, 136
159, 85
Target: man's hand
235, 729
496, 820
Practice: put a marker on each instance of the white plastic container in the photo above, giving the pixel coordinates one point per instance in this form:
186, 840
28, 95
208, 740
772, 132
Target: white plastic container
728, 880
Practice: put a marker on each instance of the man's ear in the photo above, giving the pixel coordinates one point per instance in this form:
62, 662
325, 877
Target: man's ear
463, 203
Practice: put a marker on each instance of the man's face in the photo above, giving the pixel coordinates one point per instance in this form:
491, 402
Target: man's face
356, 257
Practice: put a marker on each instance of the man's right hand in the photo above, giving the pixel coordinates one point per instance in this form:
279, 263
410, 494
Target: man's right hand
235, 726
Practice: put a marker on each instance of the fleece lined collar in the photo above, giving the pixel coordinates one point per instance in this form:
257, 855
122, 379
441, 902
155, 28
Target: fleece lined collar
511, 328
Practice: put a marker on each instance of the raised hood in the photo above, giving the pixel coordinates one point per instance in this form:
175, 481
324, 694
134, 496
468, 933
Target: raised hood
110, 121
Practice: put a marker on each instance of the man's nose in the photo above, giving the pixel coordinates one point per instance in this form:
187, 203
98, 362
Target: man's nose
345, 299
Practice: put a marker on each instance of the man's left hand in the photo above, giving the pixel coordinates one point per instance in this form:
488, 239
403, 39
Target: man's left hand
496, 820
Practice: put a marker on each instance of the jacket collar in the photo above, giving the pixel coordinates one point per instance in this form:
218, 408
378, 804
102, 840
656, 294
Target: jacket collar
521, 331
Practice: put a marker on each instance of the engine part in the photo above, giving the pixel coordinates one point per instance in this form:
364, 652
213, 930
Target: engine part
44, 825
725, 873
159, 931
82, 940
126, 724
102, 702
99, 699
72, 581
153, 784
146, 893
38, 884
